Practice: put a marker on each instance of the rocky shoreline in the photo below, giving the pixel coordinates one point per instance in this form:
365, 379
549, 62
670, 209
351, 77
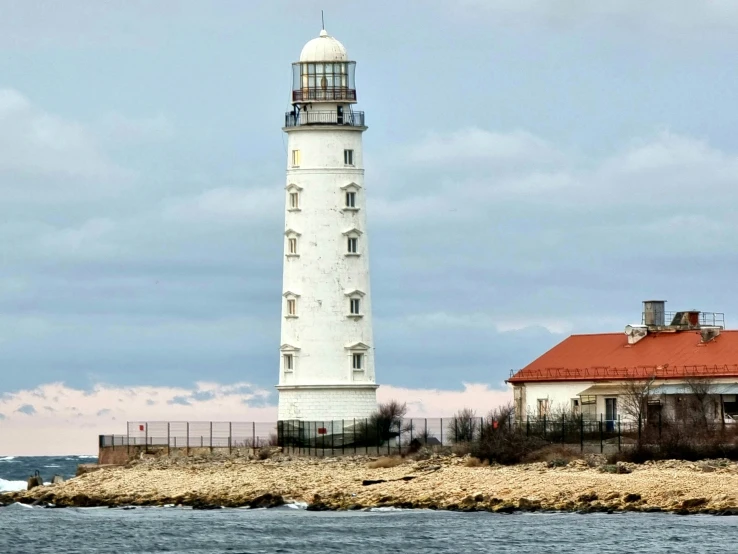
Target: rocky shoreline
439, 483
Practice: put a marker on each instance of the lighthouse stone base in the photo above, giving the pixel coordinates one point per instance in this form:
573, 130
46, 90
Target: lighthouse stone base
326, 403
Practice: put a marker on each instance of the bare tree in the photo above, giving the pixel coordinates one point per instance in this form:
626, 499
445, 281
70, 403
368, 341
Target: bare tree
464, 425
634, 398
701, 403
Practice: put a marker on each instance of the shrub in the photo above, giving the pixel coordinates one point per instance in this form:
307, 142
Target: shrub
502, 443
382, 425
385, 462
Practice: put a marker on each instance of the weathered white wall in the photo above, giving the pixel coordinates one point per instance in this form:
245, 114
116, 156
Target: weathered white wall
326, 404
559, 395
322, 274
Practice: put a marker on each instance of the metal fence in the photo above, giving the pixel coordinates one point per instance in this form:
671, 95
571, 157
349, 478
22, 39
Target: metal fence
195, 434
378, 437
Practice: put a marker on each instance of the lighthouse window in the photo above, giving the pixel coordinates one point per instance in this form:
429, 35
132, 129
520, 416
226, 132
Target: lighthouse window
294, 200
288, 362
353, 245
348, 157
358, 361
291, 306
355, 306
350, 199
296, 158
292, 243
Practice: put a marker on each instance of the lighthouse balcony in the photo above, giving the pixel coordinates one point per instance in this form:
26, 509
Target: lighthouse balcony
324, 94
352, 119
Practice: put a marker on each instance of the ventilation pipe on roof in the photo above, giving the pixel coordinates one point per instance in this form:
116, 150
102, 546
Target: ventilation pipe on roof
653, 312
709, 333
635, 332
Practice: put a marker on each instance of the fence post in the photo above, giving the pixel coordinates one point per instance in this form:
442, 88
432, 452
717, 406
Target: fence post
128, 436
660, 427
544, 426
168, 436
230, 437
333, 437
639, 429
211, 437
425, 430
187, 453
602, 438
353, 435
146, 435
253, 437
343, 439
581, 432
527, 426
441, 431
411, 431
620, 435
366, 435
563, 428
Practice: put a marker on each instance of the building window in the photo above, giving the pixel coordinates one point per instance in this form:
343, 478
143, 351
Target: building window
542, 407
294, 201
291, 306
348, 157
358, 361
353, 243
355, 306
589, 407
296, 158
288, 362
292, 246
350, 199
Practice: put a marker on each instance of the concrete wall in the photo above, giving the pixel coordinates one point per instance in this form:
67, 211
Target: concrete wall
327, 404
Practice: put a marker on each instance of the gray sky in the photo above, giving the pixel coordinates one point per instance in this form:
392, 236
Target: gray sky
534, 168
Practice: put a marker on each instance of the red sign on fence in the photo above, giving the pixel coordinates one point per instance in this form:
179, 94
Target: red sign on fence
322, 430
140, 427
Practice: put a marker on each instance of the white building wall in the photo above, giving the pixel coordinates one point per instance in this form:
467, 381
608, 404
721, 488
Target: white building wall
321, 275
559, 395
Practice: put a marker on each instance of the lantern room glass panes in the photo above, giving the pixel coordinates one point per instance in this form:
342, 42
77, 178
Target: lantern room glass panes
323, 81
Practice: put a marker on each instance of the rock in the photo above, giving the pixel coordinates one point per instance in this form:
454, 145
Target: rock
529, 505
368, 482
631, 497
691, 503
267, 501
587, 497
34, 481
200, 505
707, 468
506, 508
57, 479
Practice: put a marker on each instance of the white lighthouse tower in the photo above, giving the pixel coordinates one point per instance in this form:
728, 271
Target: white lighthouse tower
327, 350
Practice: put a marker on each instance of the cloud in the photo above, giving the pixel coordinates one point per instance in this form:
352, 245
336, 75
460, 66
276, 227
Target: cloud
659, 15
27, 409
483, 147
81, 415
36, 143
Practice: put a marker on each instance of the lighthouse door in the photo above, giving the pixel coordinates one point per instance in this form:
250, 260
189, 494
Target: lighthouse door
339, 115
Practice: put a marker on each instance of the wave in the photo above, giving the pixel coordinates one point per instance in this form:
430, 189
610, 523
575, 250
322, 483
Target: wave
296, 505
87, 457
7, 459
53, 465
11, 486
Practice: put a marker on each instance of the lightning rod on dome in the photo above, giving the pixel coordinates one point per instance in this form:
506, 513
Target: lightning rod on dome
322, 19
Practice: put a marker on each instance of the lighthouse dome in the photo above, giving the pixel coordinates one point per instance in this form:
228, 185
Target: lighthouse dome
325, 48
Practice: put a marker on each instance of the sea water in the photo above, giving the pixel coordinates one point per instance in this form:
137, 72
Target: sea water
25, 529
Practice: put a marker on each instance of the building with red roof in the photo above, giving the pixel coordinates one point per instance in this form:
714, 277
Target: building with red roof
656, 363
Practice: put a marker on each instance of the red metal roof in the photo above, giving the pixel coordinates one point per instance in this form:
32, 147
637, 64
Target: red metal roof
608, 356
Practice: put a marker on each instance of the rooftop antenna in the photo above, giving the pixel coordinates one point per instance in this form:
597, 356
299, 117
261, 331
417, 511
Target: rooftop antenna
322, 19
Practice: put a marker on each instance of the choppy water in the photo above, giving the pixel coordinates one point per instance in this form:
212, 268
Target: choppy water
15, 470
147, 530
